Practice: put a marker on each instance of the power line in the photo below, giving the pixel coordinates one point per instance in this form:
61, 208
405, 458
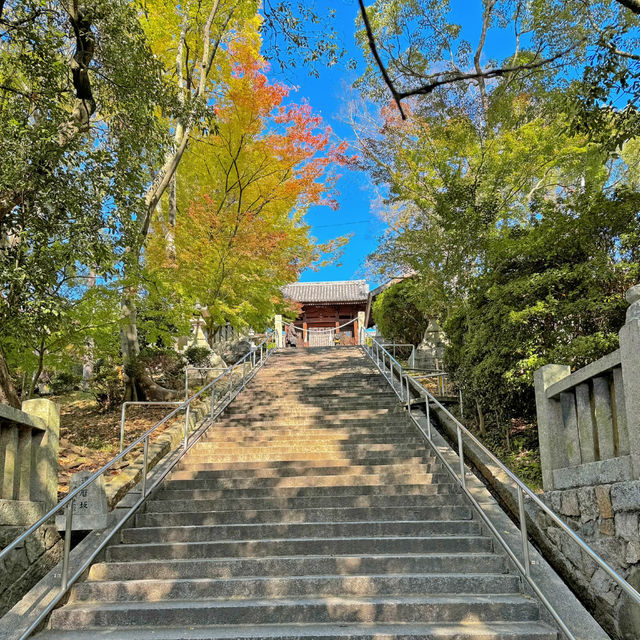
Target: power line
342, 224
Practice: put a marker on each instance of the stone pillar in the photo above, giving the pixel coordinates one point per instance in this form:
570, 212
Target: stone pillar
44, 480
553, 451
278, 328
630, 358
360, 328
90, 508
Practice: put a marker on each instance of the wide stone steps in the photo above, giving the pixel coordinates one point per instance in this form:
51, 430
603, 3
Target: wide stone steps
352, 631
171, 491
298, 546
315, 502
303, 530
298, 461
366, 478
337, 514
322, 438
311, 509
286, 587
328, 564
441, 608
371, 466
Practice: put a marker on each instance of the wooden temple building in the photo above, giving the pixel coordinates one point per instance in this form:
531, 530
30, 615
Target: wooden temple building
329, 314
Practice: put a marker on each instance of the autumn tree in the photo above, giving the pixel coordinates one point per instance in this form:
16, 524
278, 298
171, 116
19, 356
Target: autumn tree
243, 192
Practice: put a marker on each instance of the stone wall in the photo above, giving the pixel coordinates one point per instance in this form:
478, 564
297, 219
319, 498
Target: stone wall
28, 563
28, 489
607, 518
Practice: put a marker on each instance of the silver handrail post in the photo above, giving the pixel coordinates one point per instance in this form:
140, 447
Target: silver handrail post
461, 407
213, 389
67, 544
124, 404
186, 383
523, 533
461, 456
427, 410
145, 464
230, 383
186, 426
244, 368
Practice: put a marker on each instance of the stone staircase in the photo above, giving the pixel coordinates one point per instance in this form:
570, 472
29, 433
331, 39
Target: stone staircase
312, 510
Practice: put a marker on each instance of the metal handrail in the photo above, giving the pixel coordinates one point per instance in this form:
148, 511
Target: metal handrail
523, 490
137, 403
67, 502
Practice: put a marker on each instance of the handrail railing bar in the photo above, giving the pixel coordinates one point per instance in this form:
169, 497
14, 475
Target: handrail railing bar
624, 585
57, 508
129, 403
180, 454
503, 543
612, 573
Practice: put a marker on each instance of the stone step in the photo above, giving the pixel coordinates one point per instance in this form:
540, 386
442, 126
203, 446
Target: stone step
397, 425
286, 469
254, 392
312, 530
437, 631
347, 514
430, 608
220, 439
322, 407
170, 491
192, 589
304, 461
298, 566
294, 546
382, 467
315, 502
320, 443
379, 478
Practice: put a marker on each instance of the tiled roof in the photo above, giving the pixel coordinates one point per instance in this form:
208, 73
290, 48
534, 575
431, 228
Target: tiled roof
345, 291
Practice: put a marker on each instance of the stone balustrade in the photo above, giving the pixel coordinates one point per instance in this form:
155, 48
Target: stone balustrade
29, 441
589, 420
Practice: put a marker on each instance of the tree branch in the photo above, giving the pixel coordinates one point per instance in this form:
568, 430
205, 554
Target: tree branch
446, 78
489, 73
632, 5
374, 50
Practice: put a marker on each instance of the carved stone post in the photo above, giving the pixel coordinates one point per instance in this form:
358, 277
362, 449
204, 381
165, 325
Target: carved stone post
359, 328
278, 329
630, 358
550, 425
44, 480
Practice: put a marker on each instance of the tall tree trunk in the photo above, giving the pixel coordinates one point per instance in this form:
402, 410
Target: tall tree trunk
129, 344
139, 383
38, 371
8, 394
481, 423
88, 360
171, 218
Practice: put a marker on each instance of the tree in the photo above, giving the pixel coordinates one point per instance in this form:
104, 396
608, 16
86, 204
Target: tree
69, 165
425, 51
552, 292
245, 187
451, 184
193, 40
402, 312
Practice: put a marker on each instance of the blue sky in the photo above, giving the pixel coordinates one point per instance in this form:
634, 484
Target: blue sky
328, 96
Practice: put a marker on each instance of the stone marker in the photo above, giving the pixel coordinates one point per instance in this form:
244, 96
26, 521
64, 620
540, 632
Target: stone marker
90, 510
